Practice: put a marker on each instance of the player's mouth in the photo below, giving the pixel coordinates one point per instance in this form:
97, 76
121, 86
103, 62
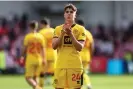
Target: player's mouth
68, 17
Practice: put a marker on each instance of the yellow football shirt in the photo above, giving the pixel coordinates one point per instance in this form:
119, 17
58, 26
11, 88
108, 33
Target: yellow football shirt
85, 53
48, 33
68, 56
34, 42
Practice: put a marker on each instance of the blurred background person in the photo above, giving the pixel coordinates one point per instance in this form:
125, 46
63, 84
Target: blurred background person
110, 23
86, 54
51, 54
34, 51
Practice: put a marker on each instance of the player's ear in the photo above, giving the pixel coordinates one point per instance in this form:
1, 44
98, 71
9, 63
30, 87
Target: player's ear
64, 15
75, 15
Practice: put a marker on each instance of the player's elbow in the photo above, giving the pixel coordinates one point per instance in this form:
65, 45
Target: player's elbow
54, 46
79, 48
54, 43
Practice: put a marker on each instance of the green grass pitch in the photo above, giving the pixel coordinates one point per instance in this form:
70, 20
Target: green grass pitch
98, 82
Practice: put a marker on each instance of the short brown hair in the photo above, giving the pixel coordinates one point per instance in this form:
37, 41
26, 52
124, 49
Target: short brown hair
33, 24
45, 21
71, 6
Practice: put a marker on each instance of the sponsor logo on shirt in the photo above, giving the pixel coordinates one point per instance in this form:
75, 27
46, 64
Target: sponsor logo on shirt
67, 40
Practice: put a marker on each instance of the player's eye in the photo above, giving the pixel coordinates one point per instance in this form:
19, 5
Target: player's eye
69, 12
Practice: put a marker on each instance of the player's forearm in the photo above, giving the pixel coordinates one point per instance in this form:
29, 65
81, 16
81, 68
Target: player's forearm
43, 54
23, 52
76, 43
57, 42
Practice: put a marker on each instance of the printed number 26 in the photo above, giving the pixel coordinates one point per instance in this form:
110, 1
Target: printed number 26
34, 46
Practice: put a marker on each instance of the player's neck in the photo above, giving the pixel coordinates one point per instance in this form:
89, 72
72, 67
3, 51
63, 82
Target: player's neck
33, 31
47, 26
70, 22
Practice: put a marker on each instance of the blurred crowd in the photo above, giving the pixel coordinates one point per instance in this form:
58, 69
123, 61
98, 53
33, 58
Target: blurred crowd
12, 33
109, 42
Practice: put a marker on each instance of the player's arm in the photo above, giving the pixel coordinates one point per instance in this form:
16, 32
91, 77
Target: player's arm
43, 54
43, 50
78, 43
91, 43
23, 52
57, 40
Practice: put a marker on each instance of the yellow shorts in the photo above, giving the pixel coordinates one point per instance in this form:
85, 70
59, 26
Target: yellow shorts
32, 69
68, 78
49, 68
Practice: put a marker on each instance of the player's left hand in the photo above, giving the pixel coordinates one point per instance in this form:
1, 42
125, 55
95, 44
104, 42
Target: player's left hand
68, 31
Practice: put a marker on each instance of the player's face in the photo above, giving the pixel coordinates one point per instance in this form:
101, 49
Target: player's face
41, 26
69, 14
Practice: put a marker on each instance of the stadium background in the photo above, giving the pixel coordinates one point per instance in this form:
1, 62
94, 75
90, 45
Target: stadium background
110, 22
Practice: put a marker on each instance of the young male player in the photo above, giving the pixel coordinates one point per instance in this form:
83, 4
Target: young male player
51, 54
86, 54
35, 55
69, 39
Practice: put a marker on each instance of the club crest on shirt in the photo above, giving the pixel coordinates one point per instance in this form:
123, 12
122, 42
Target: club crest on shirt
83, 34
55, 81
75, 31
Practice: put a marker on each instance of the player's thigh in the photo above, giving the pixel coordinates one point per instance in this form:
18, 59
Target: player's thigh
30, 70
50, 67
59, 78
46, 68
75, 77
39, 69
43, 68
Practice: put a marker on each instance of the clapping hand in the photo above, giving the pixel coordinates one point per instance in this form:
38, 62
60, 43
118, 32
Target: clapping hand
67, 29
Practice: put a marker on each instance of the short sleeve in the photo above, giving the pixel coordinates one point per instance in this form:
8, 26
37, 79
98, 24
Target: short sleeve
43, 36
25, 41
42, 40
82, 34
89, 36
41, 32
56, 32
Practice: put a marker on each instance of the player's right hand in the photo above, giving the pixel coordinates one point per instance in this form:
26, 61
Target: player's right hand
21, 58
67, 28
63, 32
21, 61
